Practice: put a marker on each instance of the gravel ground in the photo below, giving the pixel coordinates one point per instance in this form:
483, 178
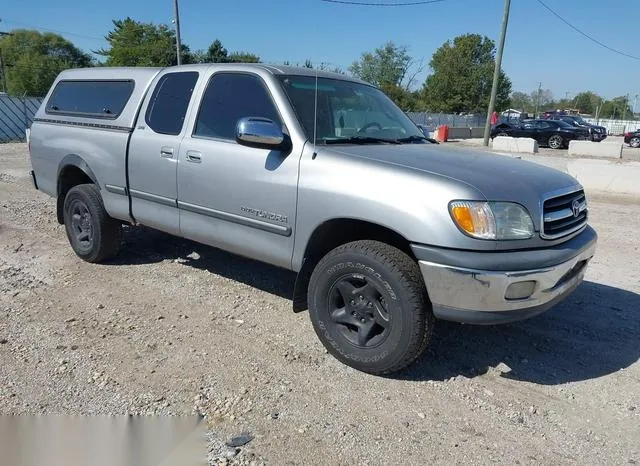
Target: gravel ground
174, 327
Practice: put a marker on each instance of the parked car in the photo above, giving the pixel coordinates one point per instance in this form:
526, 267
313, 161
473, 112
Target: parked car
632, 138
321, 174
597, 133
555, 134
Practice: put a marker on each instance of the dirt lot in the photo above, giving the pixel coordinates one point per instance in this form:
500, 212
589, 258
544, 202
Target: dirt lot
175, 327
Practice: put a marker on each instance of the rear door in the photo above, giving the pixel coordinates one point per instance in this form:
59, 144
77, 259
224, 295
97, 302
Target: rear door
153, 150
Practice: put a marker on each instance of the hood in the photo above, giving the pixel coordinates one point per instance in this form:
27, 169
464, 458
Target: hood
591, 125
497, 177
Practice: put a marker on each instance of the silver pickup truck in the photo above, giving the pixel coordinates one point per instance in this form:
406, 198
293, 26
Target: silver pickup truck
320, 174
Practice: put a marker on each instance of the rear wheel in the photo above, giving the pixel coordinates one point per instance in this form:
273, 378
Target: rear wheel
502, 134
369, 307
93, 235
634, 142
555, 142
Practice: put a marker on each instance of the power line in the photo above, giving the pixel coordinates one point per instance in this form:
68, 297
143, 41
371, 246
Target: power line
585, 34
347, 2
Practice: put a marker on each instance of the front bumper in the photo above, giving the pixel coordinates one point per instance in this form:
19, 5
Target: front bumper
479, 295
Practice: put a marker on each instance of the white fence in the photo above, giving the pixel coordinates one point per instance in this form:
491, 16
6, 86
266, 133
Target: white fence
615, 127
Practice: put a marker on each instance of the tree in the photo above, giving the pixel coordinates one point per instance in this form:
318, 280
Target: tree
541, 98
617, 108
587, 102
216, 53
407, 100
243, 57
462, 76
389, 65
521, 101
132, 43
33, 60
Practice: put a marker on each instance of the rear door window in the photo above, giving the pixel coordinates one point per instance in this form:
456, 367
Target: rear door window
95, 99
169, 102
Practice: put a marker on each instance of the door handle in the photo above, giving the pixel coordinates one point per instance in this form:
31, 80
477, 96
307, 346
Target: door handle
166, 151
194, 156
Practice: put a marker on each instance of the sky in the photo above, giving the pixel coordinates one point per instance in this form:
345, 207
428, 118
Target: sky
539, 47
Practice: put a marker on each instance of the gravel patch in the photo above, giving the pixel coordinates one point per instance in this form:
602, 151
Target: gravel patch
171, 327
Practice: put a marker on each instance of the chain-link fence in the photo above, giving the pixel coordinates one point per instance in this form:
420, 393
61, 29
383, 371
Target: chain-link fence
16, 115
432, 120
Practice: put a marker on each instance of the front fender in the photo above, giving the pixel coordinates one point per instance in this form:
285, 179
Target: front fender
411, 203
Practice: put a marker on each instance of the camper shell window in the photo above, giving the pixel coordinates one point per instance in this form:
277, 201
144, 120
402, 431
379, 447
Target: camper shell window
90, 98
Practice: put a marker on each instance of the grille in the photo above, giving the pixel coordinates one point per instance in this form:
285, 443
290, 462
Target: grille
563, 215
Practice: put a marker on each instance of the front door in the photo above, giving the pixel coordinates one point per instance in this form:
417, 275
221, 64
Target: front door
238, 198
153, 151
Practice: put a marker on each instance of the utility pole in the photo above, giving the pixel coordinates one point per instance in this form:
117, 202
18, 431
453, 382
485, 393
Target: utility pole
3, 70
496, 71
176, 14
538, 99
626, 104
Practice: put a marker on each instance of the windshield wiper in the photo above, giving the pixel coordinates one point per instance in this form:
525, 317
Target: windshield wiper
361, 140
416, 138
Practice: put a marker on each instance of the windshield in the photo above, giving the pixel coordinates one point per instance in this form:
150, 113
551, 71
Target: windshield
348, 112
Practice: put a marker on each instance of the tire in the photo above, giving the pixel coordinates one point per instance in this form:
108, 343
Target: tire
635, 142
389, 321
555, 142
502, 134
93, 235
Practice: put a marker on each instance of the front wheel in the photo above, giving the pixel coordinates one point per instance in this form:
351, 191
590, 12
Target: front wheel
555, 142
93, 235
634, 142
369, 307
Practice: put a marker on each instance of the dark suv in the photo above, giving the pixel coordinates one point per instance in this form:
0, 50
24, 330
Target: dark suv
597, 133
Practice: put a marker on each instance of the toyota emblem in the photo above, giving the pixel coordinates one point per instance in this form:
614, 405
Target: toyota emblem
575, 207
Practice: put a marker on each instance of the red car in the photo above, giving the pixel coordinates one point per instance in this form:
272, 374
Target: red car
632, 138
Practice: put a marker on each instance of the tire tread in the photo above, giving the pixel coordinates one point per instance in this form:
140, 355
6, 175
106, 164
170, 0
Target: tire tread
411, 280
110, 234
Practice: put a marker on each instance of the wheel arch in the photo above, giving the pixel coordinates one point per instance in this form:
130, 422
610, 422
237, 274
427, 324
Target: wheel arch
72, 171
333, 233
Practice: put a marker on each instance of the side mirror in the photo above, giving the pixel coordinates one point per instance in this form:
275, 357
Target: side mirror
259, 132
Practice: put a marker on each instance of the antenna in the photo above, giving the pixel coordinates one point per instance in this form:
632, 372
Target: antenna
315, 117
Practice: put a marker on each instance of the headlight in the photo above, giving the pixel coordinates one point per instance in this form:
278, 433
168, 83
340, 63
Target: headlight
492, 220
